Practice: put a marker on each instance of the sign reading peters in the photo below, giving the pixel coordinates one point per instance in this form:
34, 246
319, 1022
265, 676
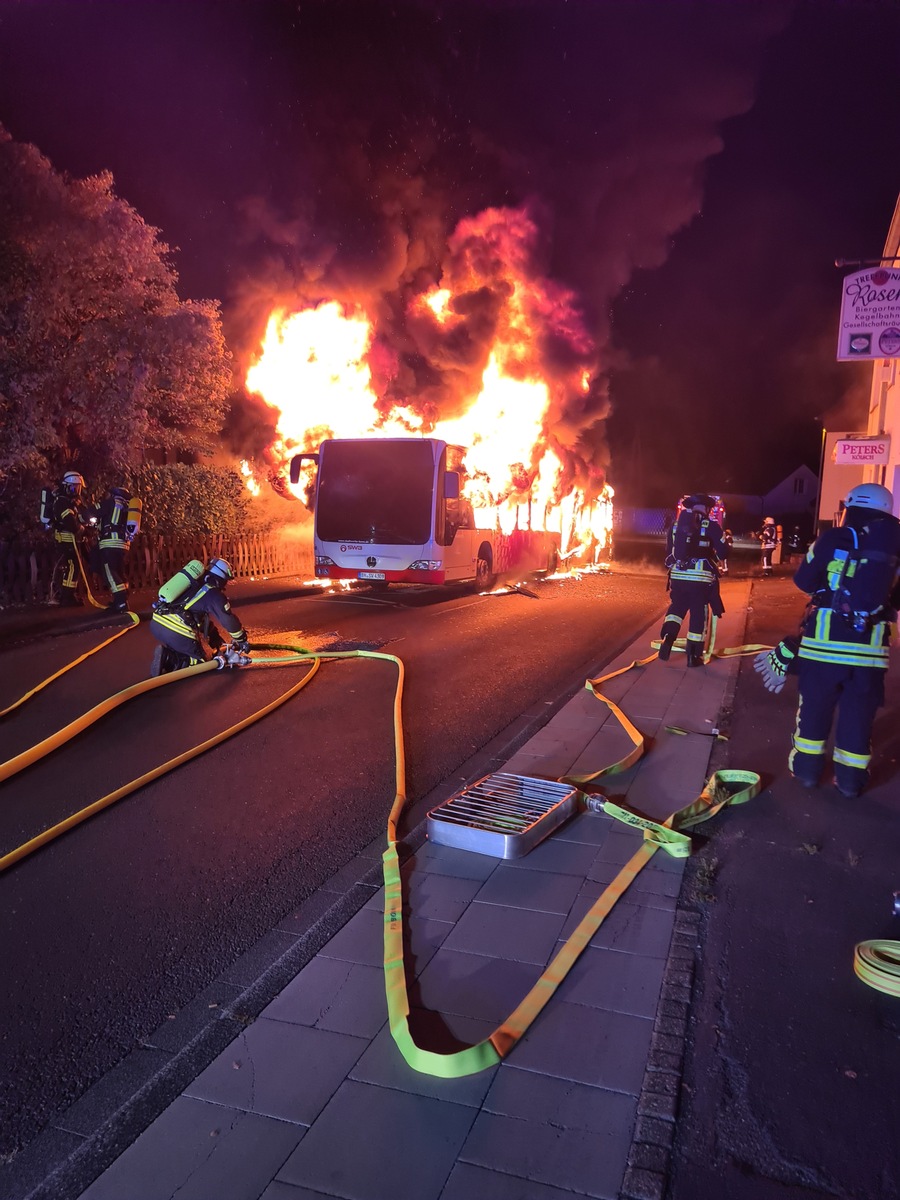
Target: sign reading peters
870, 315
862, 450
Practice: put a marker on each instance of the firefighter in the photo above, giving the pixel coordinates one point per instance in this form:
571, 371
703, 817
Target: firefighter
728, 540
697, 546
850, 575
112, 519
184, 624
68, 519
768, 540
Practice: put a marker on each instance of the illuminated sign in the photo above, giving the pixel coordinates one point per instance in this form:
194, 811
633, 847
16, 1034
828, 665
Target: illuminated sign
870, 315
862, 450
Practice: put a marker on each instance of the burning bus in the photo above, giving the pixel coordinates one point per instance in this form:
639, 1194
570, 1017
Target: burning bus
456, 432
395, 510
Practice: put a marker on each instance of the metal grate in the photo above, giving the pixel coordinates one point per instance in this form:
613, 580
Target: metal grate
502, 815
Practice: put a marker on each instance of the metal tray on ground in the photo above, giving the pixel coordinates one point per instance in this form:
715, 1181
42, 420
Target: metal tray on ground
502, 815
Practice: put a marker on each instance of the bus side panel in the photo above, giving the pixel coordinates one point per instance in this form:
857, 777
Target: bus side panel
525, 550
460, 556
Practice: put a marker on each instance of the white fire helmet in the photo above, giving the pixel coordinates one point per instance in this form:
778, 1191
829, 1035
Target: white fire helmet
768, 520
73, 482
220, 571
870, 495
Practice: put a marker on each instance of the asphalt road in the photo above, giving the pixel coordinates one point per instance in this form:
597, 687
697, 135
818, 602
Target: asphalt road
790, 1083
125, 919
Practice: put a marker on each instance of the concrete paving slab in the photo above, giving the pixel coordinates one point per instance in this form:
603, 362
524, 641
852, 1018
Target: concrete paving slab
587, 1045
362, 940
625, 983
279, 1070
469, 1182
557, 856
430, 896
404, 1146
651, 892
546, 1129
330, 993
607, 746
445, 860
592, 829
502, 932
287, 1191
197, 1151
630, 928
459, 983
384, 1065
520, 888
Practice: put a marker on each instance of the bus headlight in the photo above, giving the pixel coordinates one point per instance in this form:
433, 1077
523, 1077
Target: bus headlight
322, 560
426, 564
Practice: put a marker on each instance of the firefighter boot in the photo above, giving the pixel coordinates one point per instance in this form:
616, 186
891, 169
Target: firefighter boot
694, 654
665, 647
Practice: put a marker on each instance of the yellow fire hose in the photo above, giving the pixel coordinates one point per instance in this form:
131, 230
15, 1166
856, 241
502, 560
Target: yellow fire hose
877, 963
134, 622
87, 587
723, 788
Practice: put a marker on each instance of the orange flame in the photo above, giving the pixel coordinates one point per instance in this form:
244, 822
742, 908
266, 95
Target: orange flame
314, 369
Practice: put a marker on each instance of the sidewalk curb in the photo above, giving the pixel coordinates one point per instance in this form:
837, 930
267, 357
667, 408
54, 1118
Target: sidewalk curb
647, 1175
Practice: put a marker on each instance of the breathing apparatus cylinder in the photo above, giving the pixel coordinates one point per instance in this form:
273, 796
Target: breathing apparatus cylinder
133, 523
46, 508
174, 588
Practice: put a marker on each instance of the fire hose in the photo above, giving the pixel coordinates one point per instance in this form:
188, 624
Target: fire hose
134, 621
724, 788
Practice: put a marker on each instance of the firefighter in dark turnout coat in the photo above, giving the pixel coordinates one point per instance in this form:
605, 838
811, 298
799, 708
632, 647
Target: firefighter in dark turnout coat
68, 520
696, 548
112, 517
850, 574
182, 624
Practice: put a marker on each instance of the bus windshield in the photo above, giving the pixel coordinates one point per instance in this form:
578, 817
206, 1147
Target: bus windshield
375, 491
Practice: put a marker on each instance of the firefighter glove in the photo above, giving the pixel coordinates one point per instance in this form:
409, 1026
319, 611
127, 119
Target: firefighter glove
774, 665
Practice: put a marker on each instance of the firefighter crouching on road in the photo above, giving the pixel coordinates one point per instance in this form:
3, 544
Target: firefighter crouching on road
180, 624
696, 547
851, 574
68, 520
115, 538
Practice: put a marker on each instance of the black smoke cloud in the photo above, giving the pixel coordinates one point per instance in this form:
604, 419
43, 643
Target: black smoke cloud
327, 149
596, 118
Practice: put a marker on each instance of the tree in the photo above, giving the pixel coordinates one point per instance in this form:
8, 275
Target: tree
99, 359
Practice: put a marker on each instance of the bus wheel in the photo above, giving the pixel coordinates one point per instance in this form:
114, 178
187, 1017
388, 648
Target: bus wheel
484, 572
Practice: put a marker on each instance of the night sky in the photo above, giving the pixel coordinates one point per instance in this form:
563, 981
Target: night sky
694, 170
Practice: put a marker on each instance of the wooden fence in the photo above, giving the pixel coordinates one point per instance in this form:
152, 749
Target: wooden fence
27, 564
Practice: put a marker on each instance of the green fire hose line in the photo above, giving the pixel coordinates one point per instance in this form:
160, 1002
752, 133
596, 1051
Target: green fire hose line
723, 788
135, 621
877, 963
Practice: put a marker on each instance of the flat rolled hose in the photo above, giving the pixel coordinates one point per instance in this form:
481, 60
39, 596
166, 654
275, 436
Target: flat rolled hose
877, 963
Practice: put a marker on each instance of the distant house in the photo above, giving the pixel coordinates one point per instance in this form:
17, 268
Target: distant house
795, 495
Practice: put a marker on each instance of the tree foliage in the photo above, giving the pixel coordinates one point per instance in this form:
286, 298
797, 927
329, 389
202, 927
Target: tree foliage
182, 500
99, 359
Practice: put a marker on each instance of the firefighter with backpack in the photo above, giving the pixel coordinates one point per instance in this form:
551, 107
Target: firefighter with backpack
696, 547
64, 511
183, 616
851, 576
119, 519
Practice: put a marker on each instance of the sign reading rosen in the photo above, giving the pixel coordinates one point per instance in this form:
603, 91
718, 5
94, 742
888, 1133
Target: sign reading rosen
870, 315
850, 451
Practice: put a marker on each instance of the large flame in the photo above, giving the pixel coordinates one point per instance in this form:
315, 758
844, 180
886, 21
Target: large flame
314, 370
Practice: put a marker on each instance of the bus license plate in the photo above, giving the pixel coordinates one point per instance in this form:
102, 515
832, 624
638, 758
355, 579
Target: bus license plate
371, 574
